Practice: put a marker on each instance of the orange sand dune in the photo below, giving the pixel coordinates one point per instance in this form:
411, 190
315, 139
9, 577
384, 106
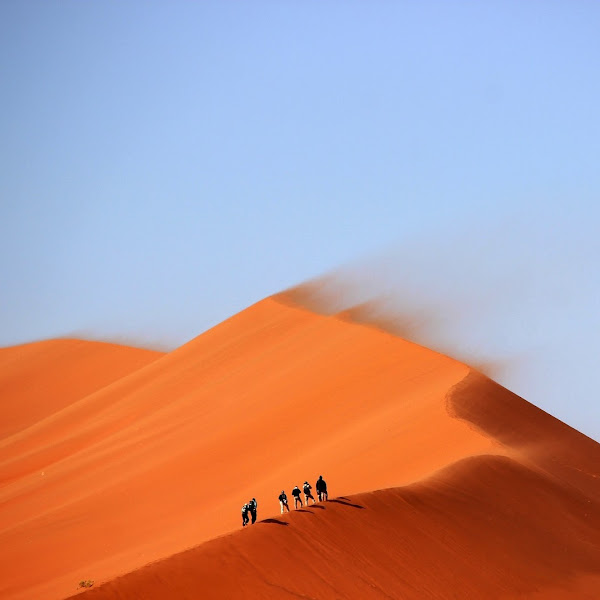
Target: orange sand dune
484, 527
162, 459
39, 379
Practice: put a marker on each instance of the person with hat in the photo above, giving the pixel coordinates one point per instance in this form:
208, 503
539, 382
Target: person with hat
307, 493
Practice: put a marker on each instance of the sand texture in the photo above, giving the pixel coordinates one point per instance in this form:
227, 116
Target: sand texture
129, 468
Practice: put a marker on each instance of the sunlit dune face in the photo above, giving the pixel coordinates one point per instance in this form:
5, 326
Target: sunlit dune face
144, 463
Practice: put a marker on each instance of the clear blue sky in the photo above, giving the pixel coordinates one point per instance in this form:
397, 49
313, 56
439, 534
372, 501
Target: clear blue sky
165, 164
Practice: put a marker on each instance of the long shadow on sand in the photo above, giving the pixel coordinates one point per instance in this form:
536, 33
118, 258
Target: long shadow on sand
277, 521
340, 501
316, 506
304, 511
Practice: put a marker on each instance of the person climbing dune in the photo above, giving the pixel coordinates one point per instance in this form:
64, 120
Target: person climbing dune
252, 506
296, 493
283, 501
307, 493
322, 489
245, 518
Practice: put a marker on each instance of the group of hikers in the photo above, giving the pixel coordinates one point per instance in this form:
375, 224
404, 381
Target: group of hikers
249, 507
321, 487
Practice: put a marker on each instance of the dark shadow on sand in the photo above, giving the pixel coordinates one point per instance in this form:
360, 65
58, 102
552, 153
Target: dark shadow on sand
277, 521
316, 506
304, 511
340, 501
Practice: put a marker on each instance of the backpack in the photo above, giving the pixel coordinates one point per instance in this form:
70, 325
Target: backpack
251, 505
245, 509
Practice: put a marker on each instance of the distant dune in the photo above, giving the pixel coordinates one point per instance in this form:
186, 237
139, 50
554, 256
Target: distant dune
39, 379
446, 484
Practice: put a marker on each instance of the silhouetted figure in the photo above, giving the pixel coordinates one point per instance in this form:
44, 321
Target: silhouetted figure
307, 493
245, 518
283, 501
321, 489
296, 493
252, 506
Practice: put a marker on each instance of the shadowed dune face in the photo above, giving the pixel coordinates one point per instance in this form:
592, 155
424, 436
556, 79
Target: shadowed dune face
539, 437
482, 528
162, 458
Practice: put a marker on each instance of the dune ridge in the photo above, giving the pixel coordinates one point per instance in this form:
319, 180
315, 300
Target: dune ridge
421, 541
161, 459
538, 437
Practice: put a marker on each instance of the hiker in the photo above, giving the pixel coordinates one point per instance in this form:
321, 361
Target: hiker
252, 505
283, 501
321, 489
296, 494
307, 493
245, 518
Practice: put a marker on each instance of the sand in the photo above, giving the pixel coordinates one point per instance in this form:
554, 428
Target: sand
467, 491
456, 535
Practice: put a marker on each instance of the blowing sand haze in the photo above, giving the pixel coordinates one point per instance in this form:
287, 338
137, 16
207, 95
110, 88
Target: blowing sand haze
128, 468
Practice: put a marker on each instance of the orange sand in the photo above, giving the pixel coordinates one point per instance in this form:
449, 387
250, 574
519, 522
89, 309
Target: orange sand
139, 465
37, 380
478, 529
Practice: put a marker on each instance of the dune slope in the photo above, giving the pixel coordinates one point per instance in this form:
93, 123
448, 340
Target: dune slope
485, 527
41, 378
162, 458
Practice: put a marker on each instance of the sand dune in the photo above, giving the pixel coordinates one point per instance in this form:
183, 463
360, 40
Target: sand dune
477, 529
39, 379
161, 457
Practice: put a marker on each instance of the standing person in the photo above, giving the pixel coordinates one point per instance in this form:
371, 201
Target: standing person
322, 489
283, 501
252, 506
245, 518
307, 493
296, 494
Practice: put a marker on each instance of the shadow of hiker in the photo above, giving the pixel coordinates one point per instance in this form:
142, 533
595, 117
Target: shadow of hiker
316, 506
304, 511
339, 501
277, 521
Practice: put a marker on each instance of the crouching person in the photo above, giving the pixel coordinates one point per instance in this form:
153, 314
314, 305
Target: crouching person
245, 518
307, 493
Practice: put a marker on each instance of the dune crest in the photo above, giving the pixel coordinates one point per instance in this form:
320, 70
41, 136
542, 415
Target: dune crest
162, 458
458, 534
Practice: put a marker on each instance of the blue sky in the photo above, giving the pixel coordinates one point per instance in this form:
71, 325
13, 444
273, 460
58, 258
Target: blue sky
165, 164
